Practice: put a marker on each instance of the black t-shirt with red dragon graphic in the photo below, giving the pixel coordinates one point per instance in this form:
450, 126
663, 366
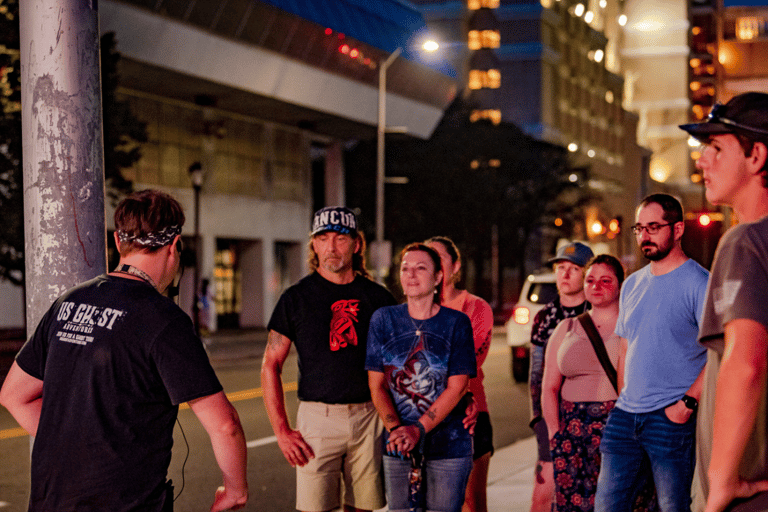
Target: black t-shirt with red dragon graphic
328, 323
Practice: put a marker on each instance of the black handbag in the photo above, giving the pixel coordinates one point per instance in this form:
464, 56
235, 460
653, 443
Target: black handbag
599, 346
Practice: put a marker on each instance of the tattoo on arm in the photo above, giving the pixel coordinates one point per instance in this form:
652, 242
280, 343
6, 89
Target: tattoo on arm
391, 422
275, 340
432, 414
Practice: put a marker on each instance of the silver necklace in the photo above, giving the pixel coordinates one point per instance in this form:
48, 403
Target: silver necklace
418, 328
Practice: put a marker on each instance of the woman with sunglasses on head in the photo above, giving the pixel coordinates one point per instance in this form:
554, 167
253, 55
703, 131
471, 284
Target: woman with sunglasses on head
420, 358
481, 317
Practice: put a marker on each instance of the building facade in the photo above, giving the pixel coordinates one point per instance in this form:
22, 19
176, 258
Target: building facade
552, 67
263, 95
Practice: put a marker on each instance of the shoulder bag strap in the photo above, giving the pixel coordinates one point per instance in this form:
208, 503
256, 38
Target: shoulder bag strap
599, 346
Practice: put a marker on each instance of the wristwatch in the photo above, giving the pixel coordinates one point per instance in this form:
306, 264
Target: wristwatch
690, 402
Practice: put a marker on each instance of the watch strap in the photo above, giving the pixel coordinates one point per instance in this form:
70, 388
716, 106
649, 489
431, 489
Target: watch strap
690, 402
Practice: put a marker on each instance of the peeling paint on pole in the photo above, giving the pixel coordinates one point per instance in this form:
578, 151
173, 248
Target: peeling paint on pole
65, 238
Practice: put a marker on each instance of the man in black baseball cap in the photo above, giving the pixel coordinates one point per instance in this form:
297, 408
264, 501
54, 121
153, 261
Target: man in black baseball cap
336, 445
733, 438
743, 114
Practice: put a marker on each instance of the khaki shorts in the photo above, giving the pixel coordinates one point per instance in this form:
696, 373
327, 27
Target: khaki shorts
346, 439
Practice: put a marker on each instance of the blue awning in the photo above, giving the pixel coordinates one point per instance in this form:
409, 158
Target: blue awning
384, 24
745, 3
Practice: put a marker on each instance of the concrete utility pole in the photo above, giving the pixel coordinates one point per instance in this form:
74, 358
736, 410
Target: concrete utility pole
63, 152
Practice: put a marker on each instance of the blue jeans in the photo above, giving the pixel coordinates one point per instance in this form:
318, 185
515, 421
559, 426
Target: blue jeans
444, 481
630, 441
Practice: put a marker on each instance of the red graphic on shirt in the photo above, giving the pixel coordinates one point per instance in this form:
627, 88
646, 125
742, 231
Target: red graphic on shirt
416, 380
343, 323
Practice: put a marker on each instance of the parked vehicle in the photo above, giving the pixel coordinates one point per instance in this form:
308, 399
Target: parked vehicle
538, 290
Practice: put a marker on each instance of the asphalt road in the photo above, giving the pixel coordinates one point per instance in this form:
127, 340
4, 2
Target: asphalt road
271, 480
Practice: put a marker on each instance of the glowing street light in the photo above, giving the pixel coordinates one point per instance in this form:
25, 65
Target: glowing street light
430, 46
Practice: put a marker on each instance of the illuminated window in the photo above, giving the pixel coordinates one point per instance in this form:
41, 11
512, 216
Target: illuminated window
493, 79
490, 114
748, 27
474, 5
491, 38
477, 39
475, 79
482, 79
473, 40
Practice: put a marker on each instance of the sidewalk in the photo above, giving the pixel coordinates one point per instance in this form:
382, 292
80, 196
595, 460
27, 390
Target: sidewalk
510, 477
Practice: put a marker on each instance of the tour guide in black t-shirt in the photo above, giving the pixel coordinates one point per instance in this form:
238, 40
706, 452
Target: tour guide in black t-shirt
99, 383
326, 315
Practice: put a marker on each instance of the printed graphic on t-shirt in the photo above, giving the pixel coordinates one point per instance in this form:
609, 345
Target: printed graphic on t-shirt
417, 384
725, 295
343, 331
80, 320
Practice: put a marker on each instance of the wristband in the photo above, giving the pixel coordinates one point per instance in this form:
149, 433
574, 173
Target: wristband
422, 430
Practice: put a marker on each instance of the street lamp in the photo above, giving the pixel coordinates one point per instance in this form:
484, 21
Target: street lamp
196, 175
380, 250
382, 126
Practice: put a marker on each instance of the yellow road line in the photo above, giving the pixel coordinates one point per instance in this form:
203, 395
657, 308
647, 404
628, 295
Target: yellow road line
12, 432
235, 396
247, 394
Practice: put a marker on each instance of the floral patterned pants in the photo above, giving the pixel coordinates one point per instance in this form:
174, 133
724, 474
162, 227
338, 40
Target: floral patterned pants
575, 451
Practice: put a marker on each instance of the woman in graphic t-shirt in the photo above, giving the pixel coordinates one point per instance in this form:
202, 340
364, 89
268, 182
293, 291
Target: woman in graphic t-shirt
420, 358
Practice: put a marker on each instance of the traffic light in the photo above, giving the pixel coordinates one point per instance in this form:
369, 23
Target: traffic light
703, 229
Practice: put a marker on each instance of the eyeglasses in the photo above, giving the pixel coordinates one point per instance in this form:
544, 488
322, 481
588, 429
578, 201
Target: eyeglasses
716, 116
651, 229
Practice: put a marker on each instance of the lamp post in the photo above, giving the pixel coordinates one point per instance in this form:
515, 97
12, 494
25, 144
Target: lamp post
379, 250
196, 175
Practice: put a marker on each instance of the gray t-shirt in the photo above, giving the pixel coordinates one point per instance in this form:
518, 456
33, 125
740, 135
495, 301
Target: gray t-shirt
738, 289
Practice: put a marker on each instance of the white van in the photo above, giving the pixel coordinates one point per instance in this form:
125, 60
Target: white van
538, 290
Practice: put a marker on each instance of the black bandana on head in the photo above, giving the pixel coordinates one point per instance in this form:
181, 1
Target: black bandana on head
158, 239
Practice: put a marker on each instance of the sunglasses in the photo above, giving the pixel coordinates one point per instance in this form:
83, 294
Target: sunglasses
716, 116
